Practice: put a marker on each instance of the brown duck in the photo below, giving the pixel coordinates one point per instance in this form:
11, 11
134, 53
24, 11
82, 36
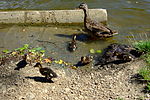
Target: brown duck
47, 72
72, 45
86, 60
94, 28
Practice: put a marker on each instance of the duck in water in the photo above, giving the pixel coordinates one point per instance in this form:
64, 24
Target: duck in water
73, 45
95, 29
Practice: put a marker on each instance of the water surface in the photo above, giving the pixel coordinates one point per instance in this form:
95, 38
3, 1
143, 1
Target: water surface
129, 17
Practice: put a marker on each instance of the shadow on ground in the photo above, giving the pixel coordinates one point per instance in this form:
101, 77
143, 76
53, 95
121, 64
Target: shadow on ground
40, 79
138, 79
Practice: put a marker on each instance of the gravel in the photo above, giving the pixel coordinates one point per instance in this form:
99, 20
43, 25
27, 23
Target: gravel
113, 82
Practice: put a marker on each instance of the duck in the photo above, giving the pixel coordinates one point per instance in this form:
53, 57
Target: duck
47, 72
118, 53
86, 60
73, 45
22, 63
94, 28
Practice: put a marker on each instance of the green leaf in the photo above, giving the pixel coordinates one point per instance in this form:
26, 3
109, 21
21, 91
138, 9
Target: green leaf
6, 51
42, 51
32, 50
37, 49
26, 46
98, 51
92, 51
20, 49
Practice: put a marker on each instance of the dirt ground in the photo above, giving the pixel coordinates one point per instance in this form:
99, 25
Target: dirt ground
113, 82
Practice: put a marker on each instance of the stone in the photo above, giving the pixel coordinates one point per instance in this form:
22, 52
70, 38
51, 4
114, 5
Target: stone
50, 16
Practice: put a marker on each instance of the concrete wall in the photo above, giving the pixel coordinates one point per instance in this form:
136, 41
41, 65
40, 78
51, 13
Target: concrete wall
50, 16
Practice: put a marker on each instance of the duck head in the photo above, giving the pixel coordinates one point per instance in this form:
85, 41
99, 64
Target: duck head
83, 6
86, 58
74, 37
24, 57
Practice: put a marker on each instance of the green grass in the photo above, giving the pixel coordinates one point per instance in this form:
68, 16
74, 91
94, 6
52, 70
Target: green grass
119, 98
148, 86
147, 58
145, 73
142, 46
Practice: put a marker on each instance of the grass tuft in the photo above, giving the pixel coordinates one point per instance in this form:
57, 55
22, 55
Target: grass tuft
143, 46
145, 73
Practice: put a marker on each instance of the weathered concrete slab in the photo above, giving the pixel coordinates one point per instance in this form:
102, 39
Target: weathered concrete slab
51, 16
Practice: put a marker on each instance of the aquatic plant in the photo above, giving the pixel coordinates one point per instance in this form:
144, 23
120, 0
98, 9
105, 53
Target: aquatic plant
22, 49
6, 51
95, 51
33, 55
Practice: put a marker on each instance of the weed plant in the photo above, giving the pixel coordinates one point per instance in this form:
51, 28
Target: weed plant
144, 46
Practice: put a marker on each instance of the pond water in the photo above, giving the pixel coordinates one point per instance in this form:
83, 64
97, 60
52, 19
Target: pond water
129, 17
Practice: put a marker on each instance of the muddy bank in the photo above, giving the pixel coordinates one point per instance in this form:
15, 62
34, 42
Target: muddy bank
109, 83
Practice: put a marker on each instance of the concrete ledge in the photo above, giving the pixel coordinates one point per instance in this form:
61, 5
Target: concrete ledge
51, 16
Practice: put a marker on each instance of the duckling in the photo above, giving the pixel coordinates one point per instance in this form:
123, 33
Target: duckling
94, 28
86, 60
126, 57
47, 72
22, 63
73, 45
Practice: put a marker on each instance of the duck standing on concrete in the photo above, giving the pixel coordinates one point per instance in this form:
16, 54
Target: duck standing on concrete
47, 72
94, 28
73, 45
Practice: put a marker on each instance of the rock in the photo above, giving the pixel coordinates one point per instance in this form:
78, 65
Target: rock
30, 96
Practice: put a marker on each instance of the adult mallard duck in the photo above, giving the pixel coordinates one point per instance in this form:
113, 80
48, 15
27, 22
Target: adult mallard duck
47, 72
94, 28
72, 45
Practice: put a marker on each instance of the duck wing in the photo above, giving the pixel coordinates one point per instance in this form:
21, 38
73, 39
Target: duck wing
95, 27
44, 71
48, 71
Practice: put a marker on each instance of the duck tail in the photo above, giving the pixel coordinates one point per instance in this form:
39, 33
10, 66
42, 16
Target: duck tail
111, 32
